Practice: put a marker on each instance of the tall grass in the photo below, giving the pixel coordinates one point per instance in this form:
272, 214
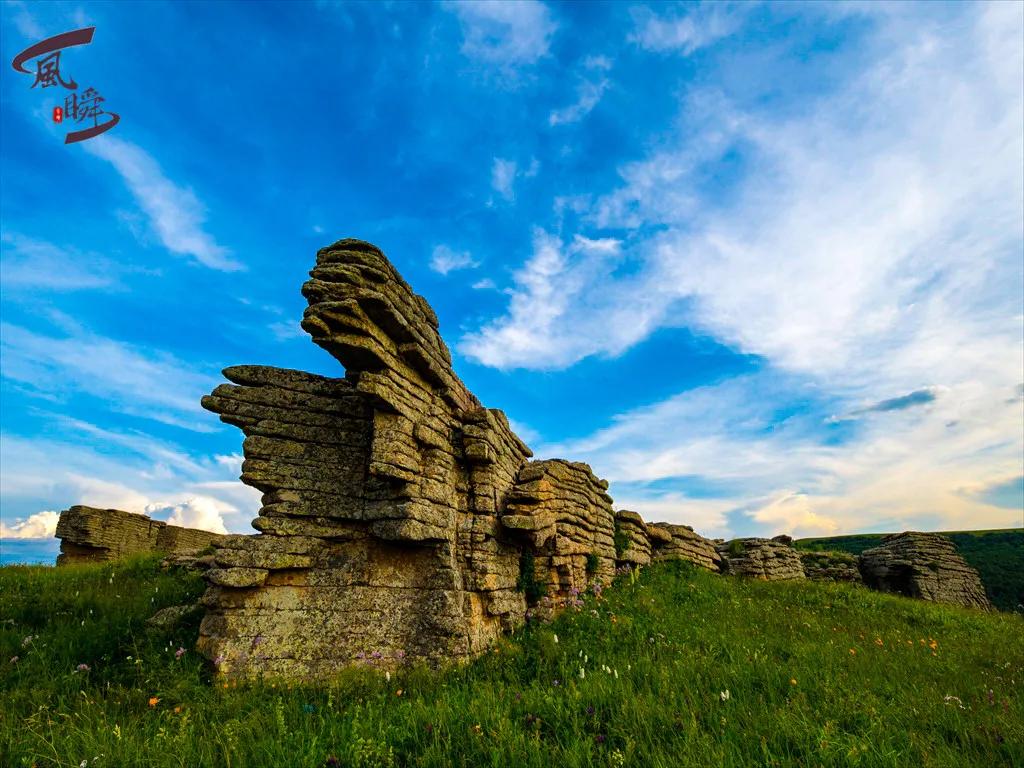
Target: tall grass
675, 668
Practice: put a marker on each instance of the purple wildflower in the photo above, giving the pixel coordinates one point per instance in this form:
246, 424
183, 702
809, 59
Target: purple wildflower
179, 653
399, 654
219, 660
377, 655
600, 738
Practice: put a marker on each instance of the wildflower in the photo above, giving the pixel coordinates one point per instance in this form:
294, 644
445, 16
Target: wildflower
556, 683
179, 653
177, 710
14, 659
399, 692
218, 661
599, 738
387, 676
225, 685
377, 655
792, 681
556, 639
399, 654
583, 673
82, 668
853, 651
477, 729
257, 640
616, 673
83, 763
953, 700
933, 645
878, 641
991, 696
28, 639
332, 762
153, 701
724, 695
590, 710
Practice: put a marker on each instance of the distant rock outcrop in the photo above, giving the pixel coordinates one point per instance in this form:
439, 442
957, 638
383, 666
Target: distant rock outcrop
672, 542
831, 566
89, 534
923, 565
761, 558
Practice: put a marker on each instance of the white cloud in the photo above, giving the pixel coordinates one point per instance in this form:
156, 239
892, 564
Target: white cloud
132, 380
174, 212
701, 26
504, 34
871, 251
41, 525
445, 260
90, 465
36, 264
203, 512
485, 285
503, 177
588, 94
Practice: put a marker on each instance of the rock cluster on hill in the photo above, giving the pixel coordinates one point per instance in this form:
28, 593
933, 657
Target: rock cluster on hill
923, 565
89, 534
761, 558
831, 566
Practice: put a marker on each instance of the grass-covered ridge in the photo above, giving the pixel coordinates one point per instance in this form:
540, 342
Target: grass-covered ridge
997, 555
676, 668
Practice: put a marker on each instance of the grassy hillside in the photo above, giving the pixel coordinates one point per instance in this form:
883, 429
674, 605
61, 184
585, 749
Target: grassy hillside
676, 668
998, 556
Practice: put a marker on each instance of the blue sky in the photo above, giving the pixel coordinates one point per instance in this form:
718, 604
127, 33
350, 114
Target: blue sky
761, 265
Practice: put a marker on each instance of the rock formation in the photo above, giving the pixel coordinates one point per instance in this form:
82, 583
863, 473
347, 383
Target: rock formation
89, 534
831, 566
761, 558
632, 540
923, 565
396, 509
670, 542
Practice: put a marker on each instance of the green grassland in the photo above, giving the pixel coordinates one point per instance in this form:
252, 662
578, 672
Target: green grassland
998, 556
677, 667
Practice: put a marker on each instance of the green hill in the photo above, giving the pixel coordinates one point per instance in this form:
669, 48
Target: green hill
676, 668
998, 556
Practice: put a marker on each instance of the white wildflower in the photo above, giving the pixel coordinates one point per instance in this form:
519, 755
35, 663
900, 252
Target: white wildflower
724, 695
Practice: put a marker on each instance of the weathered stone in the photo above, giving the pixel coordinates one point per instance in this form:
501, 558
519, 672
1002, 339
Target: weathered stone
89, 534
632, 540
830, 566
168, 618
679, 542
761, 559
923, 565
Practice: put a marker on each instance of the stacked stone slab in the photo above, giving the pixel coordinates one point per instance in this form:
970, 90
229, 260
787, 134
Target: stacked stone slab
923, 565
632, 540
565, 515
761, 559
679, 542
89, 534
381, 537
831, 566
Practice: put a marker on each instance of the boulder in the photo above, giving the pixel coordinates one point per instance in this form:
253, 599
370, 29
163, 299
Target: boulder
760, 559
923, 565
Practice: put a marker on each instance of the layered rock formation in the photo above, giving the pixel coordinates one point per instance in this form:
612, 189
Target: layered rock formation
831, 566
761, 558
396, 508
671, 542
89, 534
632, 540
923, 565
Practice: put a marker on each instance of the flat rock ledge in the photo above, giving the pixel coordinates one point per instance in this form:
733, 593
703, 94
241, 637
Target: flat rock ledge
90, 535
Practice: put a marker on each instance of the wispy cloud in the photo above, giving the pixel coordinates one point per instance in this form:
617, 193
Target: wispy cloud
444, 260
127, 378
34, 264
685, 32
506, 34
591, 87
175, 213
